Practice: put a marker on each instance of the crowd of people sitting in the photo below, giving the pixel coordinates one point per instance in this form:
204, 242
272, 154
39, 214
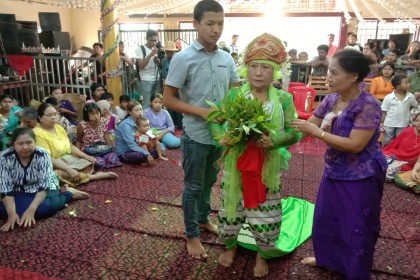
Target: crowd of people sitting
50, 137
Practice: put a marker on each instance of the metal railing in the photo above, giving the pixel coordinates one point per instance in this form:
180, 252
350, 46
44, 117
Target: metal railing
71, 74
138, 37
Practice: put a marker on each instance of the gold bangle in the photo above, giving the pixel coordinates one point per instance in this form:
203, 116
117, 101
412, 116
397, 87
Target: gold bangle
322, 135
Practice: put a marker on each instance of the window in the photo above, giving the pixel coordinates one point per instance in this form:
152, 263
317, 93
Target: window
374, 29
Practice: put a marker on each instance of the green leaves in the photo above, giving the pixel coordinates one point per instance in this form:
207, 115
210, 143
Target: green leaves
245, 118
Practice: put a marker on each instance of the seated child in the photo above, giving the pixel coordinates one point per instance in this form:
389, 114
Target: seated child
65, 108
146, 139
396, 107
65, 123
121, 111
302, 60
29, 117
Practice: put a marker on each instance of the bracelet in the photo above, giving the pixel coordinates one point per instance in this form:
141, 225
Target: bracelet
322, 135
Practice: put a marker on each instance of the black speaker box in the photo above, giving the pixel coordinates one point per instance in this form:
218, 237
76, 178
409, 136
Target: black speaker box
28, 33
49, 21
9, 34
53, 39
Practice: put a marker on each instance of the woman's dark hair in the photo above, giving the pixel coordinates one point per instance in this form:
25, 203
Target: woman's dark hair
107, 95
409, 46
353, 61
390, 64
42, 108
29, 113
4, 96
93, 87
206, 6
393, 40
156, 95
413, 118
54, 88
89, 108
52, 100
99, 45
130, 107
397, 80
370, 45
125, 97
21, 131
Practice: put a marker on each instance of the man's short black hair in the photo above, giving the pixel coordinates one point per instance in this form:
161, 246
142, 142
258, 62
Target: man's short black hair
124, 97
151, 33
397, 80
323, 48
206, 6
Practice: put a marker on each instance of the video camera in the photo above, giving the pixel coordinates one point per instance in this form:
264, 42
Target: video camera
161, 51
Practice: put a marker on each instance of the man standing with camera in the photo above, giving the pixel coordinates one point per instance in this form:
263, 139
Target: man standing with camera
149, 67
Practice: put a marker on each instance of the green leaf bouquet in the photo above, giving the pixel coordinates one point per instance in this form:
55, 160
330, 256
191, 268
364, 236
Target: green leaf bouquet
245, 118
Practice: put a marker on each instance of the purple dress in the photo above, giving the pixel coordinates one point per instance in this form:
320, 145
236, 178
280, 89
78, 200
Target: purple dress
347, 210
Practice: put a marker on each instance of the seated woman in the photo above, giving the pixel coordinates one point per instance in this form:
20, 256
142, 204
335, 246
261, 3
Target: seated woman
162, 123
125, 144
403, 151
29, 117
111, 119
63, 121
9, 119
52, 137
382, 86
28, 185
96, 91
93, 137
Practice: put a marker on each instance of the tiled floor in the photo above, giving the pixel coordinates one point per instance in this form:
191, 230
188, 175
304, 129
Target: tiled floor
309, 146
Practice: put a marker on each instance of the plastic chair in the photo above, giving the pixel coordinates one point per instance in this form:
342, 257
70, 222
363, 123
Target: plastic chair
296, 84
300, 98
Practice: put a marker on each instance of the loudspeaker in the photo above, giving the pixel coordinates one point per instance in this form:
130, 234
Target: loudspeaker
49, 21
28, 33
403, 40
9, 34
53, 39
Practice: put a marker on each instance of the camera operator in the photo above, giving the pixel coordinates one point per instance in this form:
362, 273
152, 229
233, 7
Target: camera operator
170, 50
149, 67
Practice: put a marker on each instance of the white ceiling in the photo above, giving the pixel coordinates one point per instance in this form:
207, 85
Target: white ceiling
380, 9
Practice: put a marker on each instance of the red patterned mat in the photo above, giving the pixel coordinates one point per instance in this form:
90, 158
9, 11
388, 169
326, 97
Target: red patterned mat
132, 228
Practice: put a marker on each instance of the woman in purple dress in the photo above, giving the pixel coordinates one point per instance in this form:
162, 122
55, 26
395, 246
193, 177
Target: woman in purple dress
347, 211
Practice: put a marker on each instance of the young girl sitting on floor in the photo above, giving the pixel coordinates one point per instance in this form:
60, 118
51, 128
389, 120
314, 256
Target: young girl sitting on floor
146, 139
161, 121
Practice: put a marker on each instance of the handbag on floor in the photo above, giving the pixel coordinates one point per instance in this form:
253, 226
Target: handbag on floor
98, 149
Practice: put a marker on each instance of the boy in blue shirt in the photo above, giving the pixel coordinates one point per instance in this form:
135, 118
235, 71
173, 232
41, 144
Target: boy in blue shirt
200, 72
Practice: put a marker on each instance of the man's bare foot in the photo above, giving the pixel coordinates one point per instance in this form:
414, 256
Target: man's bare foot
163, 158
212, 228
261, 267
102, 175
226, 258
311, 261
76, 193
195, 249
